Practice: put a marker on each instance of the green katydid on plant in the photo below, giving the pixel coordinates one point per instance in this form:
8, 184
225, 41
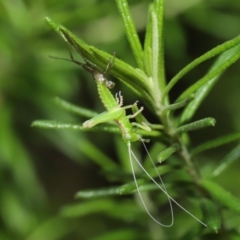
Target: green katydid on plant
148, 82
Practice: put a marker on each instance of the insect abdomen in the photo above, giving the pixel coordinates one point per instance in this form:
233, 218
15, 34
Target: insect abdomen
106, 97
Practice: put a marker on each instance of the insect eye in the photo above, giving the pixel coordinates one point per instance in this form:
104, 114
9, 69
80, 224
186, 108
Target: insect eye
110, 84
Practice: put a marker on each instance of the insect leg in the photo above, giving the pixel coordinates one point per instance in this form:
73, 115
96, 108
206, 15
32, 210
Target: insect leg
104, 117
136, 113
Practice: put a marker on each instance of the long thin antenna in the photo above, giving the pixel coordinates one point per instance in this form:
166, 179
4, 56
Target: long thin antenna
130, 152
163, 189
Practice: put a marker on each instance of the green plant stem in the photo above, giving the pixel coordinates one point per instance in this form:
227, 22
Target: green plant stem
184, 153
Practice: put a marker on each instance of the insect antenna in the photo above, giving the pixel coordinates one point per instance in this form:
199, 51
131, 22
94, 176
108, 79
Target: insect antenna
87, 66
131, 154
162, 188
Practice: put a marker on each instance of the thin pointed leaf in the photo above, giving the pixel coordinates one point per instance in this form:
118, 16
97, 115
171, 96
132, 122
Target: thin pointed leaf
103, 192
210, 214
203, 123
132, 77
217, 142
210, 54
178, 105
159, 6
153, 133
165, 154
148, 45
131, 32
131, 188
203, 91
120, 190
83, 209
158, 81
228, 160
51, 124
74, 108
214, 73
97, 156
223, 196
51, 229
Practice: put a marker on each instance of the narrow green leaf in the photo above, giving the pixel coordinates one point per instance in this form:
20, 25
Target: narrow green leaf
223, 196
210, 54
131, 188
230, 158
153, 133
203, 91
214, 73
51, 229
148, 55
74, 108
131, 32
91, 151
52, 24
135, 79
210, 214
128, 188
83, 209
165, 154
178, 105
51, 124
203, 123
159, 6
157, 83
103, 192
217, 142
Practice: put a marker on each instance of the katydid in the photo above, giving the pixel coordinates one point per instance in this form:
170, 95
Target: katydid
115, 111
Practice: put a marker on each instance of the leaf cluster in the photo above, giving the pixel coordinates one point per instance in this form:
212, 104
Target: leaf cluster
148, 81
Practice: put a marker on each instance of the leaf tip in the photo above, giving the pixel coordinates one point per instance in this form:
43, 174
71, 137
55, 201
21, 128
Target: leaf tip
49, 21
33, 124
212, 122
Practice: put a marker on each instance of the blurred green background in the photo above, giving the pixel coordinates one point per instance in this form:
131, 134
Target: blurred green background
41, 170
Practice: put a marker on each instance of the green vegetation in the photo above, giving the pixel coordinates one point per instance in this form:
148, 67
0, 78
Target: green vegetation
68, 182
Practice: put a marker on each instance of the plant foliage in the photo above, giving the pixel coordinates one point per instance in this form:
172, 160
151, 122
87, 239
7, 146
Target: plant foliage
182, 159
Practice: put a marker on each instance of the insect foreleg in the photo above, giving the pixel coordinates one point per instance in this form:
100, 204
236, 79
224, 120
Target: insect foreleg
104, 117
